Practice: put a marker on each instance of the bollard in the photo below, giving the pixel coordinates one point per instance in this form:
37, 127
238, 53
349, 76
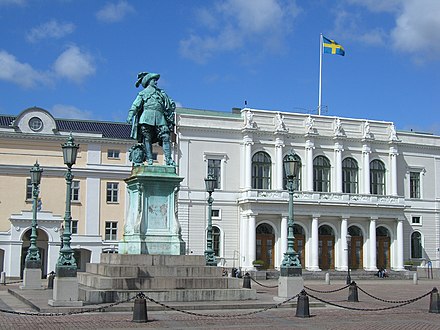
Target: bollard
327, 278
302, 306
415, 279
353, 292
3, 278
247, 281
140, 310
434, 302
50, 278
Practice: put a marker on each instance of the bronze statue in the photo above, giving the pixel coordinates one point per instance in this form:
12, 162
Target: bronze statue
152, 119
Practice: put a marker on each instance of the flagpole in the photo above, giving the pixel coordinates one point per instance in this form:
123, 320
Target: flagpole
320, 74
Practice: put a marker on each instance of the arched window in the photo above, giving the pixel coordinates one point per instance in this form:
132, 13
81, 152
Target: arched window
261, 170
416, 245
321, 174
350, 176
377, 177
297, 179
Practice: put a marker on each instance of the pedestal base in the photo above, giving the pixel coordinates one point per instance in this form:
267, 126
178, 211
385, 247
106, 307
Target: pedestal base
31, 279
65, 292
289, 287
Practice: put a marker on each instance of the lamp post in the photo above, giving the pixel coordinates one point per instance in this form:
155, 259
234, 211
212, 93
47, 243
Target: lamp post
66, 264
348, 258
291, 265
33, 256
209, 252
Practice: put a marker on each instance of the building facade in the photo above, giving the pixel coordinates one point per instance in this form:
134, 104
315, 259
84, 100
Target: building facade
366, 196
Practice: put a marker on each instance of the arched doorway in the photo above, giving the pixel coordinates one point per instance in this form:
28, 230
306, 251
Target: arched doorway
356, 248
42, 245
82, 257
298, 233
383, 247
326, 247
265, 244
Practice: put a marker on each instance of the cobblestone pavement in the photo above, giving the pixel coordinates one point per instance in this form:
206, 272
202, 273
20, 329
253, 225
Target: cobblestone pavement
411, 316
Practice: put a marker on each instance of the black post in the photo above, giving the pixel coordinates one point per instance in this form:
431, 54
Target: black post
247, 281
302, 307
353, 292
140, 309
434, 302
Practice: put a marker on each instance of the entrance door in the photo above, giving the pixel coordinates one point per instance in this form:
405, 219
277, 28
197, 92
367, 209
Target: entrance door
299, 245
265, 245
356, 248
383, 248
326, 248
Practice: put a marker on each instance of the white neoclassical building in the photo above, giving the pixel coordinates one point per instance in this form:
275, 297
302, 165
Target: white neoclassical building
366, 196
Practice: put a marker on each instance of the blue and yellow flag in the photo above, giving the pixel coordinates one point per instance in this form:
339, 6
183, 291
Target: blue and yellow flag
332, 47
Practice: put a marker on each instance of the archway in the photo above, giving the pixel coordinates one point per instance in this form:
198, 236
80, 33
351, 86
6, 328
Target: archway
326, 247
299, 246
356, 248
383, 247
82, 257
42, 245
265, 244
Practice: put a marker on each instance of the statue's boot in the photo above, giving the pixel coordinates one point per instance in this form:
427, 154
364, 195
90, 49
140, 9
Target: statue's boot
149, 152
167, 153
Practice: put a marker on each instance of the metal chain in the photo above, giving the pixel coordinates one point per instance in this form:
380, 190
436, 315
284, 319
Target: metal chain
330, 291
222, 315
266, 286
97, 309
384, 300
370, 309
13, 282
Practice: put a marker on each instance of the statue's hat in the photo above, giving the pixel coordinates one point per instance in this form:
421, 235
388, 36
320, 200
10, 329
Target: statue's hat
145, 77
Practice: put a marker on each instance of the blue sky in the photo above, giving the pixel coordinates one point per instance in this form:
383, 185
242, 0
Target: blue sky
80, 59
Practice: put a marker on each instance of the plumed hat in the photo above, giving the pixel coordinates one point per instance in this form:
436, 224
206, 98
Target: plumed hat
144, 78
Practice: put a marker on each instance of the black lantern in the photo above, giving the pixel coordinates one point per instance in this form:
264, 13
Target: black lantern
291, 165
210, 182
36, 171
70, 151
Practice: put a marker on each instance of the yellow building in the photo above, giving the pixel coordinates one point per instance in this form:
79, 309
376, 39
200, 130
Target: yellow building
98, 189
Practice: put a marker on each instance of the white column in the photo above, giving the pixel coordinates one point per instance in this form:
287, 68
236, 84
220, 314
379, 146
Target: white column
283, 237
279, 144
314, 260
338, 167
247, 141
309, 165
366, 168
252, 242
393, 170
399, 238
344, 246
242, 255
372, 246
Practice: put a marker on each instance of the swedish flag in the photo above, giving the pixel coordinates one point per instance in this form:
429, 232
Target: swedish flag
332, 47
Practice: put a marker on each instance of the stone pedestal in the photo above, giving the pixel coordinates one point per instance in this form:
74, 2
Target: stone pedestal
151, 225
65, 292
31, 279
289, 286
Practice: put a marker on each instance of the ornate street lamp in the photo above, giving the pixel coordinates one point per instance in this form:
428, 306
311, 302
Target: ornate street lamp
33, 255
66, 264
291, 265
209, 252
348, 258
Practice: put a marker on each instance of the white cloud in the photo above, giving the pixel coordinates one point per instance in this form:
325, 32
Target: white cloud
417, 28
20, 73
114, 12
379, 5
235, 24
50, 29
70, 112
74, 64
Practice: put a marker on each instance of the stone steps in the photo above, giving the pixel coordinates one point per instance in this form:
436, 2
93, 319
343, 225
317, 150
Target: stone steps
94, 296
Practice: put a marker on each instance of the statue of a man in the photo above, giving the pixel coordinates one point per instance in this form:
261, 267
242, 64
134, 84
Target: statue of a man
152, 119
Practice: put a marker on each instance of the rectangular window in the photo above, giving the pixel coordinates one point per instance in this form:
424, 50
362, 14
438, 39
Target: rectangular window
415, 220
74, 225
215, 214
214, 169
414, 184
75, 191
28, 189
112, 154
112, 192
111, 231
